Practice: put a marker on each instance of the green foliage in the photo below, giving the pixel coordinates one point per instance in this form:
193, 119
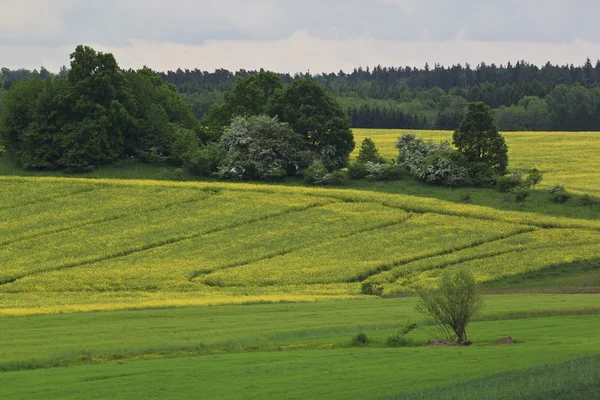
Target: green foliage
357, 170
249, 96
315, 173
360, 340
318, 118
479, 140
369, 153
534, 177
432, 163
452, 305
399, 339
204, 160
383, 171
371, 289
509, 181
93, 115
588, 201
558, 194
520, 193
260, 147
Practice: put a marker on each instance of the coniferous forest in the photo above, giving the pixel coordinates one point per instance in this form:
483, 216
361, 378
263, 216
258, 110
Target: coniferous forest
523, 96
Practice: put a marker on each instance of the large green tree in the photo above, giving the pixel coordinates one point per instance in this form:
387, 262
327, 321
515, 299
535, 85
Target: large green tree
318, 118
249, 96
479, 141
93, 114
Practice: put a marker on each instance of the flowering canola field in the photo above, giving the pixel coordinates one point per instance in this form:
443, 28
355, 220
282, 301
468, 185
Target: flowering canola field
82, 244
566, 158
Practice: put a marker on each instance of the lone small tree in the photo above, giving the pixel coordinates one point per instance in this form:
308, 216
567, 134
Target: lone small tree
452, 305
479, 140
369, 153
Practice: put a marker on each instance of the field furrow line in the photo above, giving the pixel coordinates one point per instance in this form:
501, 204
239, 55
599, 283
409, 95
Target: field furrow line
491, 255
198, 274
50, 198
98, 221
388, 266
161, 243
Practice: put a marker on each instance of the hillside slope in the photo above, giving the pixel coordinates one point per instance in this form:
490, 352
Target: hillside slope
84, 244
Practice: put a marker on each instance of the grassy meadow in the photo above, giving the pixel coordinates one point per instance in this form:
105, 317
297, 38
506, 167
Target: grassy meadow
125, 283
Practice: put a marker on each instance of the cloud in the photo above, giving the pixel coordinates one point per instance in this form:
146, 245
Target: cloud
32, 20
302, 52
291, 35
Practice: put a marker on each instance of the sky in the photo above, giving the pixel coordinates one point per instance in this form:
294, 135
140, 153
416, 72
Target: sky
299, 36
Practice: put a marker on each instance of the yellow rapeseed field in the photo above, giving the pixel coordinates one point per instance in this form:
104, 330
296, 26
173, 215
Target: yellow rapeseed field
567, 158
70, 245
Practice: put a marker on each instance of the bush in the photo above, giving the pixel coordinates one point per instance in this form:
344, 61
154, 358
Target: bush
482, 175
433, 163
442, 169
334, 178
357, 170
383, 171
314, 174
360, 340
509, 181
261, 147
588, 201
534, 177
452, 305
399, 339
371, 289
520, 193
465, 198
185, 141
558, 194
203, 161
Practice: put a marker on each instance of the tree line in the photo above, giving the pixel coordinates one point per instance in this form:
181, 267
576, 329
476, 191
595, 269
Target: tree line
523, 96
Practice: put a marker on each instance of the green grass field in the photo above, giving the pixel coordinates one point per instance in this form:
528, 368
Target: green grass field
122, 283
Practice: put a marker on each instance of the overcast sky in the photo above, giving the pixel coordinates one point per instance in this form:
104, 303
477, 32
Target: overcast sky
299, 35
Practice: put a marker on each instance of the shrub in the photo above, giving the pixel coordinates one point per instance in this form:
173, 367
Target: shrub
185, 141
588, 201
334, 178
558, 194
314, 174
520, 193
383, 171
466, 198
261, 147
509, 181
371, 289
360, 340
433, 163
482, 175
442, 169
534, 177
399, 339
357, 170
203, 161
452, 305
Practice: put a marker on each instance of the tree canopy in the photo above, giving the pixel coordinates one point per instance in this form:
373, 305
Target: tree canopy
479, 141
93, 114
318, 118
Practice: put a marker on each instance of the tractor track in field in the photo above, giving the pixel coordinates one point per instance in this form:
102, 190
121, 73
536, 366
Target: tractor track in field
51, 198
198, 274
98, 221
388, 266
150, 246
